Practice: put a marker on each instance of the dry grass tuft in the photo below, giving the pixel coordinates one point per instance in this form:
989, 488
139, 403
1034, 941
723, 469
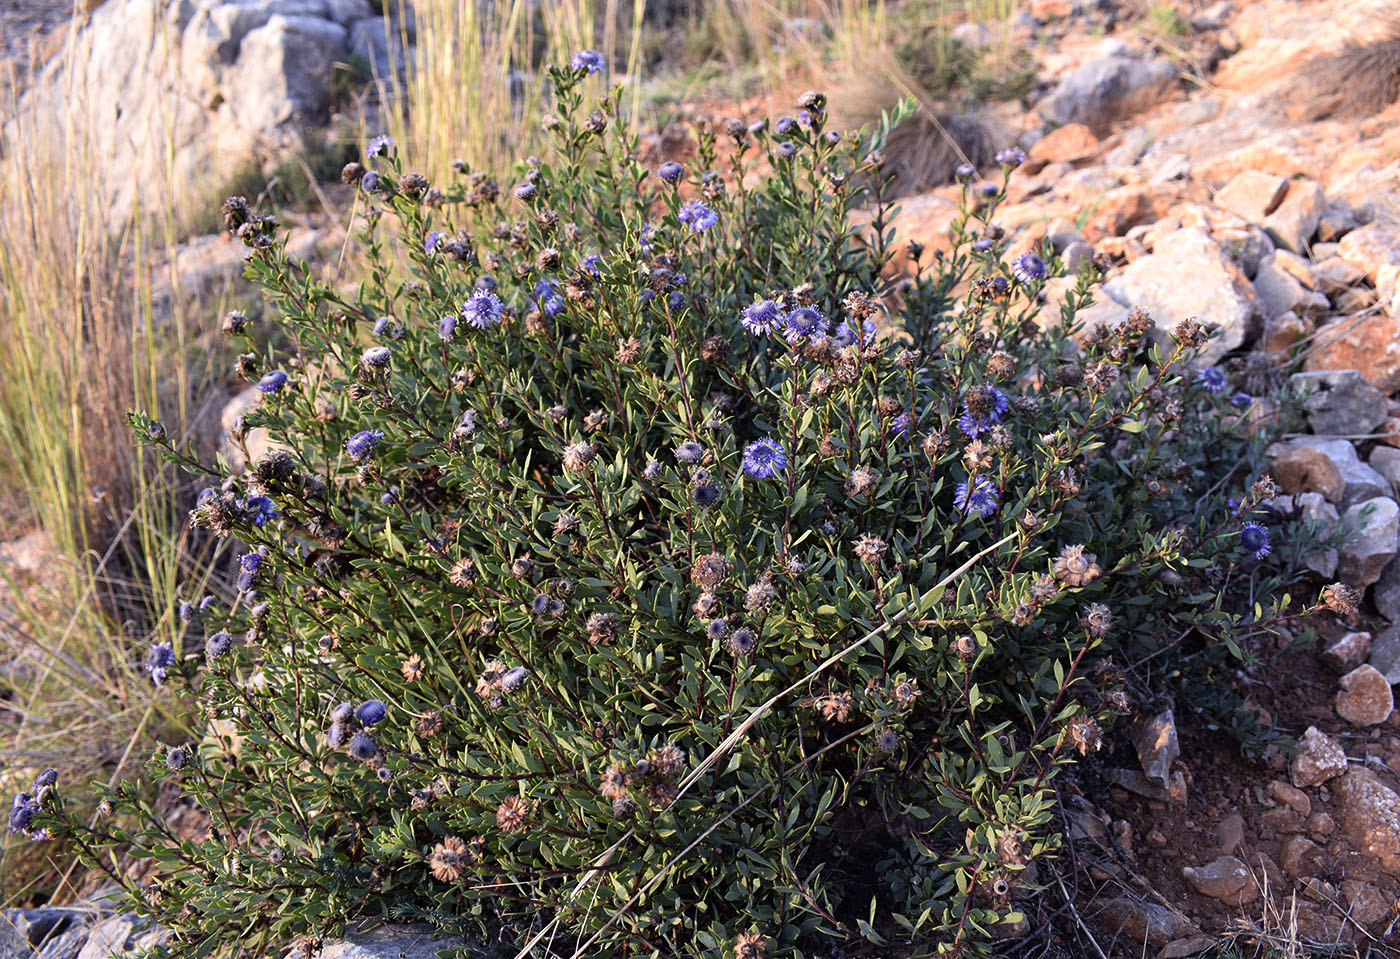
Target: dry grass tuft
1360, 80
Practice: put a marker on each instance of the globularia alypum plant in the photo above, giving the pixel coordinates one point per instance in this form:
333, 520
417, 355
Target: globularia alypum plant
638, 570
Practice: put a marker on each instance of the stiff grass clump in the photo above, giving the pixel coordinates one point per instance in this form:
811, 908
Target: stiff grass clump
638, 567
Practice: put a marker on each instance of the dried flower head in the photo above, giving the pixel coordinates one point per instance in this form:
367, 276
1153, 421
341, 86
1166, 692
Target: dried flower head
1083, 734
1097, 620
861, 481
412, 668
1074, 567
750, 945
1341, 599
709, 570
869, 549
450, 859
578, 456
836, 707
513, 815
614, 782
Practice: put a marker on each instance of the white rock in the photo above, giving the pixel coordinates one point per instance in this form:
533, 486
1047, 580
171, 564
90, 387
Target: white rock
1372, 529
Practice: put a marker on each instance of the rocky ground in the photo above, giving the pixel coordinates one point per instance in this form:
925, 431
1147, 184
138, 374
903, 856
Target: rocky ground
1191, 162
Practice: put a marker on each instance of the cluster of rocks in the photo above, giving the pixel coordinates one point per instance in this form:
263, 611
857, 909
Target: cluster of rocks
90, 932
225, 82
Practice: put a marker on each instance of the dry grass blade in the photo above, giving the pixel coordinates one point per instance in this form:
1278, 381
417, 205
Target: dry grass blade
1358, 81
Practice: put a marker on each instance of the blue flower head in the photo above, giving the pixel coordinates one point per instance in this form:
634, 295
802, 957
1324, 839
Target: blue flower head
259, 510
363, 443
370, 182
547, 299
764, 459
590, 60
159, 659
1241, 399
763, 317
1212, 378
483, 309
803, 323
900, 425
1254, 539
965, 171
591, 263
272, 382
846, 334
363, 747
980, 498
22, 812
784, 126
983, 407
1028, 267
378, 145
447, 328
432, 241
984, 245
370, 712
1012, 157
670, 171
699, 216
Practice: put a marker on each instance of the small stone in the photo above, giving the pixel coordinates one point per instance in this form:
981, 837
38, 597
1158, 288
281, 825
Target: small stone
1347, 652
1226, 878
1335, 223
1279, 290
1229, 833
1369, 812
1366, 698
1068, 144
1334, 275
1340, 402
1282, 333
1157, 745
1293, 225
1371, 249
1319, 759
1291, 796
1365, 904
1385, 651
1138, 921
1101, 91
1187, 946
393, 941
1386, 461
1252, 194
1296, 856
1308, 469
1369, 344
1359, 481
1321, 825
1155, 837
1372, 529
1313, 508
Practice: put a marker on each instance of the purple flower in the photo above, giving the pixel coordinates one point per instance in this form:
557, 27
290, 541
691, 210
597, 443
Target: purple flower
981, 498
272, 382
1241, 399
900, 425
433, 241
591, 262
803, 323
764, 459
846, 334
690, 452
467, 425
676, 300
248, 565
46, 778
590, 60
370, 712
525, 191
22, 812
159, 659
376, 357
1028, 267
784, 126
763, 317
1255, 539
335, 736
363, 747
985, 245
378, 145
258, 510
483, 309
670, 171
787, 150
547, 299
1212, 378
1012, 157
447, 327
370, 182
382, 324
699, 216
989, 189
363, 443
974, 422
218, 645
965, 171
342, 713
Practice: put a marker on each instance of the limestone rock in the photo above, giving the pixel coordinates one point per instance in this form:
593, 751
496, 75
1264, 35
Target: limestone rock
1369, 813
1386, 596
1279, 290
1369, 344
1359, 481
1347, 652
1385, 654
1365, 698
1294, 223
1297, 857
1138, 921
1340, 402
1305, 469
1334, 274
1386, 461
1319, 759
393, 941
1187, 276
1109, 89
1227, 879
1372, 528
1291, 796
1068, 144
1155, 739
1314, 509
1252, 194
1372, 249
1364, 903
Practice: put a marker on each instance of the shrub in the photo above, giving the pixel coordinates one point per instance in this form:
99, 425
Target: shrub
641, 562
